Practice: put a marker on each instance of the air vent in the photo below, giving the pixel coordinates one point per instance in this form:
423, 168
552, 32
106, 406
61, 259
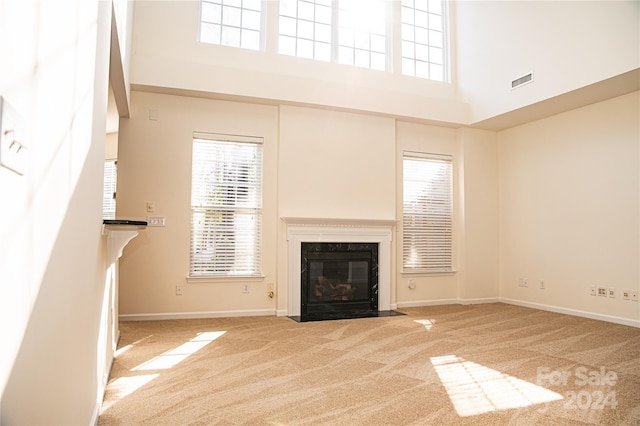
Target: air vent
527, 78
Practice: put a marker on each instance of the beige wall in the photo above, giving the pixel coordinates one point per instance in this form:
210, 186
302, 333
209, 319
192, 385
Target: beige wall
435, 140
569, 207
336, 165
168, 55
55, 351
154, 164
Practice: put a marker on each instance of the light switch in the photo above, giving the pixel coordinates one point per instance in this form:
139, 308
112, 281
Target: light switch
151, 206
13, 149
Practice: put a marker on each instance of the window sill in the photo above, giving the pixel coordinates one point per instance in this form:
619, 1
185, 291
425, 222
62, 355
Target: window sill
225, 278
428, 273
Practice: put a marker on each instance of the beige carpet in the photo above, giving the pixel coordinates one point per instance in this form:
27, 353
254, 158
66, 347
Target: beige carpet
442, 365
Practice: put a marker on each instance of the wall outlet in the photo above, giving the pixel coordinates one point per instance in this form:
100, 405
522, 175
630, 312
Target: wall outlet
626, 294
178, 290
612, 292
634, 295
245, 288
602, 291
593, 290
523, 282
541, 284
156, 221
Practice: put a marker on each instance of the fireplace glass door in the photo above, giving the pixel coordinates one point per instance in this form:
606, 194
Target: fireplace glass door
339, 278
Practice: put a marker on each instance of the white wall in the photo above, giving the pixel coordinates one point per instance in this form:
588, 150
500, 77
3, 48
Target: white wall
569, 207
52, 260
566, 44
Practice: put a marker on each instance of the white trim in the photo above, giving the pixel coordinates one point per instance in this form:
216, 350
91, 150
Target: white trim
197, 315
310, 230
281, 313
420, 303
456, 301
479, 301
575, 312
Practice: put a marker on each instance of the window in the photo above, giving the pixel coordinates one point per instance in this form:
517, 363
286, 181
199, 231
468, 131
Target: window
353, 34
236, 23
410, 35
109, 190
362, 30
427, 213
305, 29
226, 206
423, 39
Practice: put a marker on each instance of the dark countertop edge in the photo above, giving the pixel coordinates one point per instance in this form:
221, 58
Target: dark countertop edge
124, 222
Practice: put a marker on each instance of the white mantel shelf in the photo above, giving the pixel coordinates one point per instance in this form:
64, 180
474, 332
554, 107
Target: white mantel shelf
306, 230
306, 221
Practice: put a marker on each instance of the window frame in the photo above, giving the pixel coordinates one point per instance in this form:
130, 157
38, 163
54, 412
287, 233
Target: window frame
443, 261
249, 211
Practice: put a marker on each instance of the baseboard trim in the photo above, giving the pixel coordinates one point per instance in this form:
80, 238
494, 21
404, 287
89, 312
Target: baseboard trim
419, 303
574, 312
457, 301
197, 315
479, 301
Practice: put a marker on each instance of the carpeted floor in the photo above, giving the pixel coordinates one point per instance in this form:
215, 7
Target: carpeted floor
442, 365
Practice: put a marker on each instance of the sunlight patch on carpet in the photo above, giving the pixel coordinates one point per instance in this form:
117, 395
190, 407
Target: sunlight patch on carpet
124, 386
175, 356
428, 324
476, 389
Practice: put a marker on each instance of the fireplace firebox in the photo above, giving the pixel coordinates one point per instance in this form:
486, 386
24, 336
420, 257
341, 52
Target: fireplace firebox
338, 280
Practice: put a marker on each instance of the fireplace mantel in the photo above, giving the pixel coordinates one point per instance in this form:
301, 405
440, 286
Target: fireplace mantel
301, 230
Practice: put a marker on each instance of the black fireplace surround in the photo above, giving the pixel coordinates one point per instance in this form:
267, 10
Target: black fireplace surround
339, 281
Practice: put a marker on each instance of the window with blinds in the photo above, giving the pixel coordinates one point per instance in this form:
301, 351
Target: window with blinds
427, 213
226, 206
109, 190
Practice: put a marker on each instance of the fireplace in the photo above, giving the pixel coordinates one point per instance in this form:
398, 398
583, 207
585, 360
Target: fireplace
338, 280
344, 253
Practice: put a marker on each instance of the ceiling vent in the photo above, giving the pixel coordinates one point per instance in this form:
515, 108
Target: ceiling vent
521, 81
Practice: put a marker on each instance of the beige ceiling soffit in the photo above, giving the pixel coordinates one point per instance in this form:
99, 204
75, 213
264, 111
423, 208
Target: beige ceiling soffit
606, 89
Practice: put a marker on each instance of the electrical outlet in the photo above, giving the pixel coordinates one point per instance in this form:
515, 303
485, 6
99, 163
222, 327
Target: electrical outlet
523, 282
602, 291
156, 221
245, 288
593, 290
178, 290
634, 295
612, 292
626, 294
541, 284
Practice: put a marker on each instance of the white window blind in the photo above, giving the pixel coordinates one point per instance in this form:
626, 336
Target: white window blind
109, 190
226, 206
427, 213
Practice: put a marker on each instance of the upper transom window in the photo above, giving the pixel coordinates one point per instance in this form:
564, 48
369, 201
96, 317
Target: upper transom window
236, 23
